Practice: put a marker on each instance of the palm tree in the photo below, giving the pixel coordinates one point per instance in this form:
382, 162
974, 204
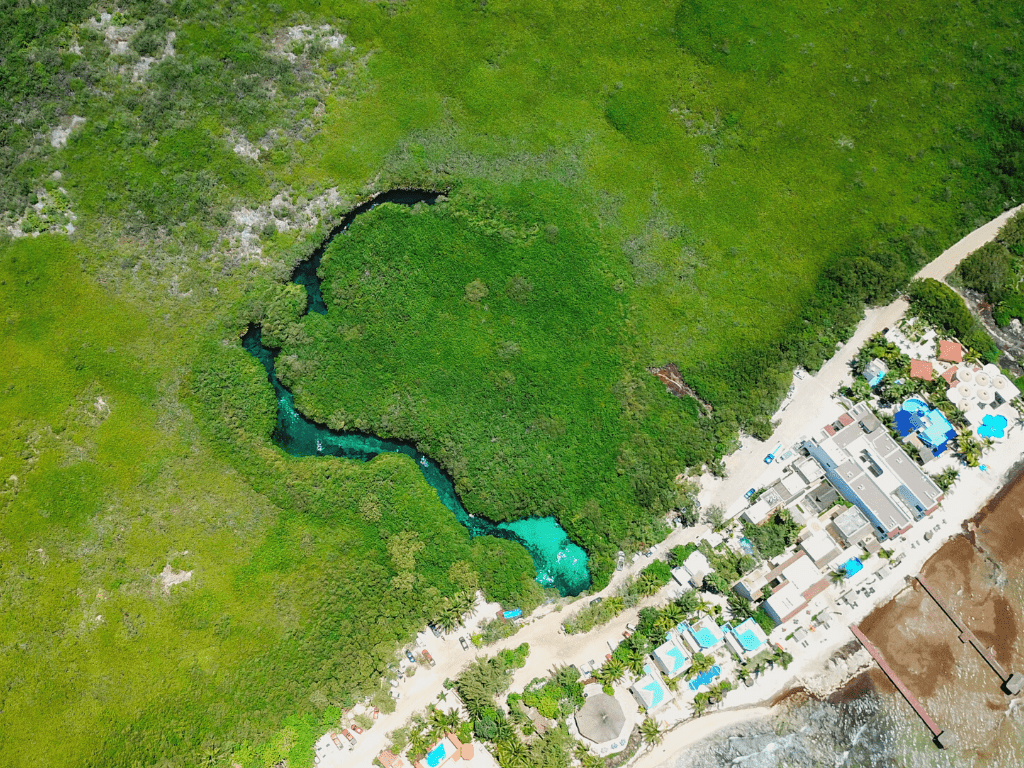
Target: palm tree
649, 584
702, 606
717, 692
744, 676
837, 576
449, 619
664, 623
512, 753
611, 671
464, 603
687, 602
650, 731
635, 660
699, 665
504, 730
616, 605
674, 612
700, 704
739, 606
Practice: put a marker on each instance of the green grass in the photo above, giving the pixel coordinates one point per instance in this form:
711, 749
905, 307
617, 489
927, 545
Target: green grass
728, 181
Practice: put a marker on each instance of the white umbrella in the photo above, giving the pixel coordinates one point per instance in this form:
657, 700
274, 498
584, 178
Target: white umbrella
999, 382
984, 395
981, 379
965, 375
966, 391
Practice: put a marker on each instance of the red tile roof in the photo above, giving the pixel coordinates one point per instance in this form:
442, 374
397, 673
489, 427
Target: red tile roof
846, 420
389, 760
948, 374
921, 369
830, 430
951, 351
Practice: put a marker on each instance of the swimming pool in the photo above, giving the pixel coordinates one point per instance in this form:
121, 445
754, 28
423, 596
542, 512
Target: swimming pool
852, 567
993, 426
440, 753
705, 677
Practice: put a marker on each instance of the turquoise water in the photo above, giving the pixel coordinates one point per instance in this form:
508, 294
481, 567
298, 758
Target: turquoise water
438, 754
705, 677
992, 426
852, 567
560, 563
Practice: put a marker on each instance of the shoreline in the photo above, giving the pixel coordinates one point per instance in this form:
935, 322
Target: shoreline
824, 671
691, 732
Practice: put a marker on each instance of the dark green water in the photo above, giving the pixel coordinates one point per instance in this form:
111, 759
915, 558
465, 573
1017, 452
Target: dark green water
560, 563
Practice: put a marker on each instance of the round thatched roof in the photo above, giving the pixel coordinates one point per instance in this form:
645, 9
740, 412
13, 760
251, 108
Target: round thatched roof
601, 718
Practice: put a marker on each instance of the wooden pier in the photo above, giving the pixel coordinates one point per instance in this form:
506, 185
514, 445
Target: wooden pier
940, 737
1011, 682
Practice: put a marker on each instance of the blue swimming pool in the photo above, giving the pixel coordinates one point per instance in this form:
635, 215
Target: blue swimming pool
992, 426
853, 566
705, 677
440, 753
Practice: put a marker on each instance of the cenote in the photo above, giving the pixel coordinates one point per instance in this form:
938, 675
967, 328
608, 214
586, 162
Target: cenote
560, 563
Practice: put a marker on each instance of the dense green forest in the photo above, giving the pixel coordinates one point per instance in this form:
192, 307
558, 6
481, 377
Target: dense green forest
721, 186
995, 269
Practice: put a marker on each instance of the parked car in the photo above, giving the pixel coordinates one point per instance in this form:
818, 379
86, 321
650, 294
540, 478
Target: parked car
357, 729
750, 493
395, 695
349, 736
597, 601
631, 628
435, 629
429, 658
409, 656
336, 740
463, 643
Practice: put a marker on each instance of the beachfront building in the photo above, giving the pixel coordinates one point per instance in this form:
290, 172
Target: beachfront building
924, 427
702, 636
604, 722
746, 638
871, 471
875, 371
851, 526
795, 582
650, 691
819, 547
671, 657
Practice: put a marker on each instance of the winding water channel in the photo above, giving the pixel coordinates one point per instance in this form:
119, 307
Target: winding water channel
560, 563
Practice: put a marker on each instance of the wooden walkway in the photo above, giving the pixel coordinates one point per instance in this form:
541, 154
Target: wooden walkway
965, 633
911, 698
